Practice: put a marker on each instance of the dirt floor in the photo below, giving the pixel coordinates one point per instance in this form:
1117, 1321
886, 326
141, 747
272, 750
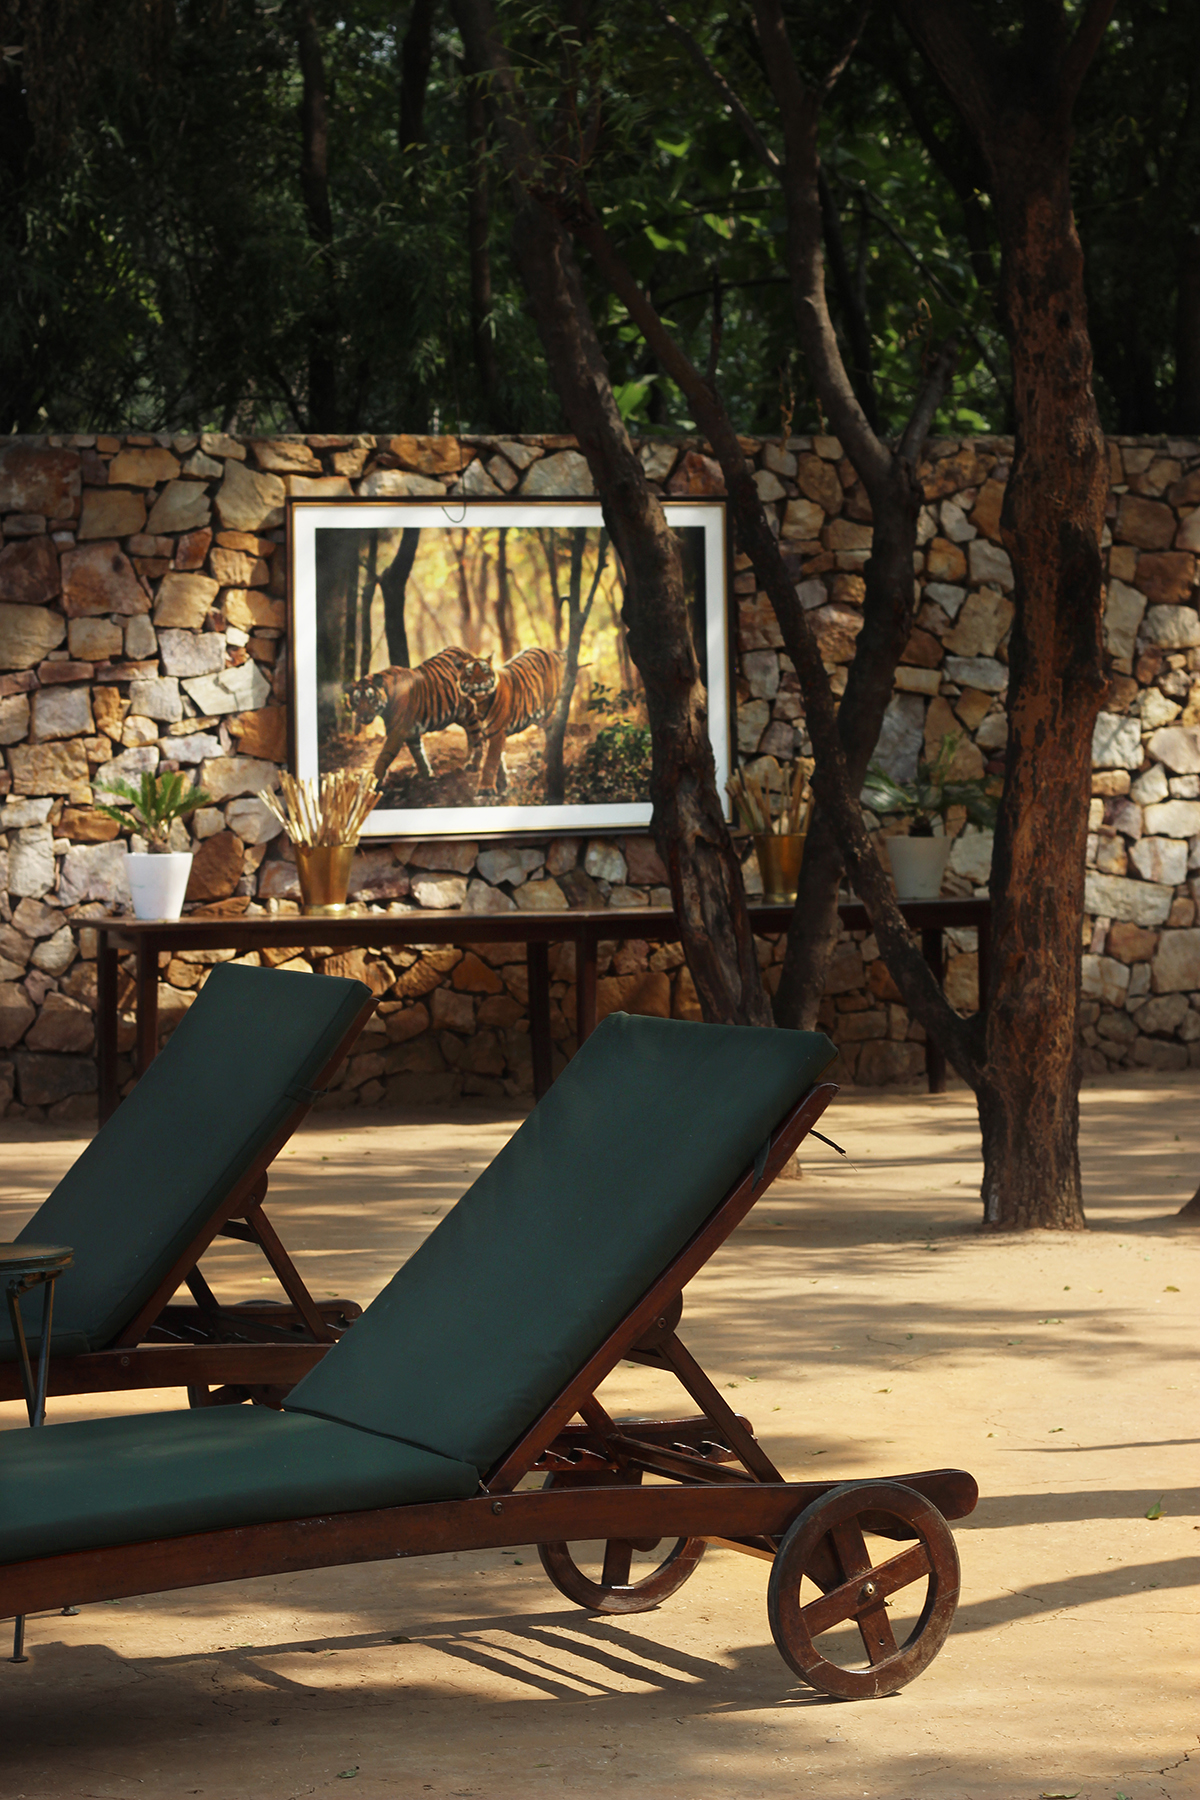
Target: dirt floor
868, 1328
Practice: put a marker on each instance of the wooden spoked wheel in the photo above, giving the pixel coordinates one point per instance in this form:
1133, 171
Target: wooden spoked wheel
827, 1545
615, 1583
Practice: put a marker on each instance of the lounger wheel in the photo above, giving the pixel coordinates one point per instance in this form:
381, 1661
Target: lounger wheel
614, 1592
826, 1544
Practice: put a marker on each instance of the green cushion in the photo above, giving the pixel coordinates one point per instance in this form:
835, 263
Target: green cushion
633, 1147
207, 1106
116, 1481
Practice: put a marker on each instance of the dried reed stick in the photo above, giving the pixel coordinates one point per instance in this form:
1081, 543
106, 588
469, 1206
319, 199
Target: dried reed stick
753, 795
318, 814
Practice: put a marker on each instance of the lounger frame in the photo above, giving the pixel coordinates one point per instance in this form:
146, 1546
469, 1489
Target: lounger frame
722, 1485
241, 1352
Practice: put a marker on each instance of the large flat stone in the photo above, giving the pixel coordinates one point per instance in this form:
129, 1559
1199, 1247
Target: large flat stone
901, 737
29, 573
182, 506
1116, 742
50, 769
60, 712
216, 867
982, 672
1166, 576
248, 501
156, 698
245, 608
431, 455
1174, 818
1179, 747
99, 578
981, 625
14, 719
192, 652
95, 872
1172, 627
27, 633
1123, 612
39, 481
95, 639
31, 861
283, 457
989, 564
243, 689
1175, 968
223, 777
1160, 859
1117, 897
63, 1024
44, 1079
17, 1013
111, 513
1147, 523
262, 733
143, 466
184, 600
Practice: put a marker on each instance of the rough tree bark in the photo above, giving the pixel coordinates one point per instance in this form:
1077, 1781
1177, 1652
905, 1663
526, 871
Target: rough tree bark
1018, 100
689, 826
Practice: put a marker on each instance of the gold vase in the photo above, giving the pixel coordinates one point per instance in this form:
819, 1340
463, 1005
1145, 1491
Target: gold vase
324, 877
779, 859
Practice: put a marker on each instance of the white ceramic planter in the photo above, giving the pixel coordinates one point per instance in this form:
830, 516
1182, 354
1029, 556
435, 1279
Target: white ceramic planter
158, 883
918, 864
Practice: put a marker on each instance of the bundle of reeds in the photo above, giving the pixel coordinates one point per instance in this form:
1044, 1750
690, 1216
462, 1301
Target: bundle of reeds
765, 811
318, 814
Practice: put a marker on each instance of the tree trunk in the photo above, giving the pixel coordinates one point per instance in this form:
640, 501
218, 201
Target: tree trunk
504, 611
314, 185
578, 612
337, 555
1052, 519
393, 585
1019, 103
688, 822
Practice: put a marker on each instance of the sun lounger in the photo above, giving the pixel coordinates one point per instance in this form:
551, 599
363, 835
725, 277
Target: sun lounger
183, 1160
478, 1366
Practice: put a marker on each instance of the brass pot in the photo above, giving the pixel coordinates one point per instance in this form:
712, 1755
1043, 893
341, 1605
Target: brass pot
779, 860
324, 877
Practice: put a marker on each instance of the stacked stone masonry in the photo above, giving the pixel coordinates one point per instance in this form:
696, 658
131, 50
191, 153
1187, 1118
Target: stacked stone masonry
143, 625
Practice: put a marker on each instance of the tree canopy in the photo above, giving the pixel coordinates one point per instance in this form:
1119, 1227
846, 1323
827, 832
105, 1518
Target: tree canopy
245, 214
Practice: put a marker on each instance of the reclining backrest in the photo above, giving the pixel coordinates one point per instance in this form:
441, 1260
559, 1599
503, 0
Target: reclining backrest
634, 1146
209, 1103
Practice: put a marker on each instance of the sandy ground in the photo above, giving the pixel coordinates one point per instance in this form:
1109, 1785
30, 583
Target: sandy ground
868, 1329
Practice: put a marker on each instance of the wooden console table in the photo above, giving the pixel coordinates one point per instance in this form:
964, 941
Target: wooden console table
585, 928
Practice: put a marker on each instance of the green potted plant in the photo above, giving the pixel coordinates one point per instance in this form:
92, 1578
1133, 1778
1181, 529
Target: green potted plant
919, 860
158, 876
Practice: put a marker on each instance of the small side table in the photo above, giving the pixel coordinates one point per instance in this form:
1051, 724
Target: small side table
23, 1267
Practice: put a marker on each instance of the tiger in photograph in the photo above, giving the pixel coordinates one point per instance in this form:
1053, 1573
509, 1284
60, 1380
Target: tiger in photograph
413, 701
509, 700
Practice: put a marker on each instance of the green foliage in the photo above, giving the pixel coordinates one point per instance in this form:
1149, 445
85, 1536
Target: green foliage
614, 767
933, 793
152, 806
609, 701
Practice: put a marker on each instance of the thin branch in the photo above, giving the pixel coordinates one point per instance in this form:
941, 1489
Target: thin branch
1083, 48
711, 73
929, 399
714, 333
851, 45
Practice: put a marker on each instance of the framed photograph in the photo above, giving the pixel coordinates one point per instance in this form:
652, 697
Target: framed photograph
471, 653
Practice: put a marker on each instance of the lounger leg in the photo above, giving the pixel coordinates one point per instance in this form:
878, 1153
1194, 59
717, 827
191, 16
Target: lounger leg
18, 1654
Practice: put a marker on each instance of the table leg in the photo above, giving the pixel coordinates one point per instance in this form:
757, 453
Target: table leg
585, 985
935, 1061
537, 962
107, 972
147, 1003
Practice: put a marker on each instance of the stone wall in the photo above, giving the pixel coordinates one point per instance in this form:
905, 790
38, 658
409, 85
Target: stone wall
143, 624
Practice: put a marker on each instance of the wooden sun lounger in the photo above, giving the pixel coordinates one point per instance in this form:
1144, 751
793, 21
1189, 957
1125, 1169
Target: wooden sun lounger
478, 1368
183, 1161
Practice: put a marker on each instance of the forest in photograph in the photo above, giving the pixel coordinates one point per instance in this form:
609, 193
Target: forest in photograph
480, 665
